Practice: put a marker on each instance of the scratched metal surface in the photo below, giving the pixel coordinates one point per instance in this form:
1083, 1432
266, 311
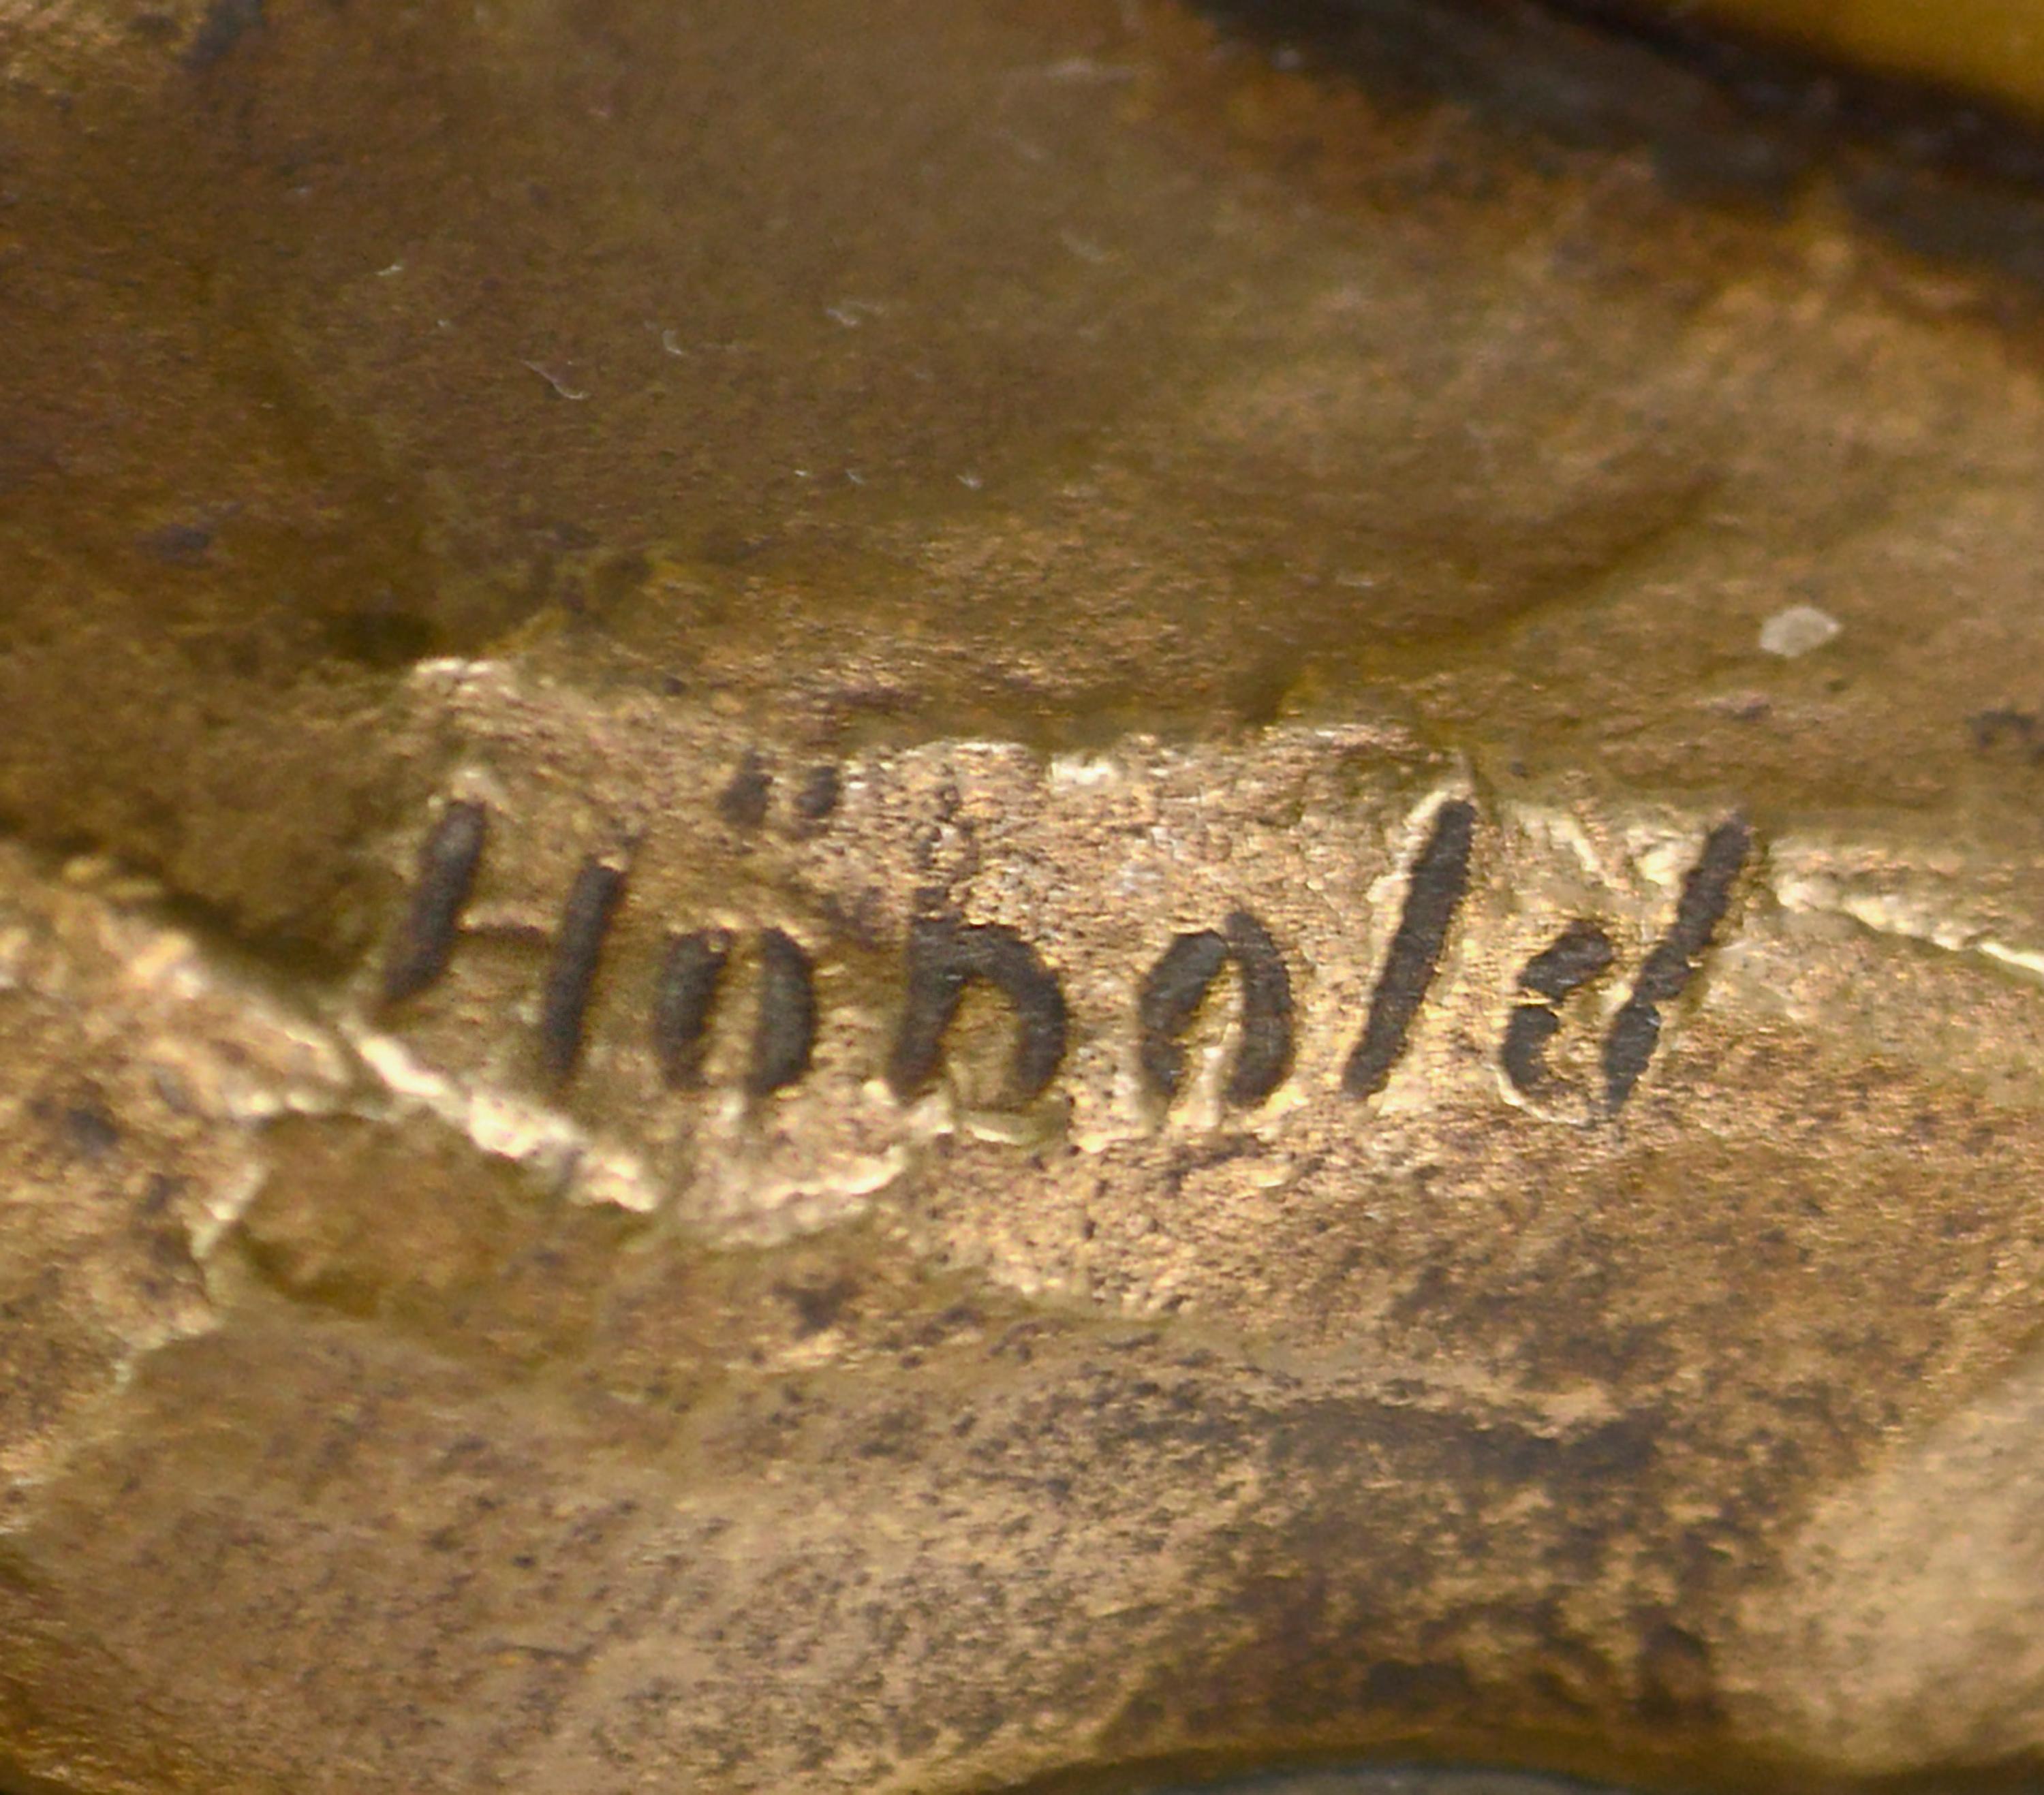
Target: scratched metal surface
578, 576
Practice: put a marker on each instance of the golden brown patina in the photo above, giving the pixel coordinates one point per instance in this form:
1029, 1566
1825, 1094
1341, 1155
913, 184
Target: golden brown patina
1035, 482
1991, 49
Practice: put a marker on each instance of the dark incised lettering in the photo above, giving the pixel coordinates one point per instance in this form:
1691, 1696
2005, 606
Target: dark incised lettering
818, 798
1434, 893
1177, 985
690, 976
593, 900
784, 1031
1635, 1030
743, 801
944, 958
1265, 1054
447, 860
1580, 953
1172, 993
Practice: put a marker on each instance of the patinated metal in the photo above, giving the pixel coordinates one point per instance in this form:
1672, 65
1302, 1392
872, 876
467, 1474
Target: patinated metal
999, 896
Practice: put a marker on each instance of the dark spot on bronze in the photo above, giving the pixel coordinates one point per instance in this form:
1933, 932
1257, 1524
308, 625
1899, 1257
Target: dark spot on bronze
1439, 879
784, 1033
448, 861
945, 956
90, 1130
83, 1125
682, 1000
1992, 730
181, 545
1706, 894
743, 802
593, 901
223, 27
817, 799
817, 1306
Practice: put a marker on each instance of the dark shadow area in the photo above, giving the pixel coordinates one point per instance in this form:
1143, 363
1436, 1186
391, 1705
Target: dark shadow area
1726, 118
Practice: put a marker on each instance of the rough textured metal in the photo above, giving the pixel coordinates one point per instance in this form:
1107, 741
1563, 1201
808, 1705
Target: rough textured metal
577, 578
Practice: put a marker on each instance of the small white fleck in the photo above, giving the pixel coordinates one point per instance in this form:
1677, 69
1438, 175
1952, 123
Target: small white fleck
560, 386
1797, 630
1086, 70
395, 268
970, 480
448, 669
1083, 770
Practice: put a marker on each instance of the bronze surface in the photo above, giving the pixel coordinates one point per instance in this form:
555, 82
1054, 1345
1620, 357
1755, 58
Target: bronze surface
930, 504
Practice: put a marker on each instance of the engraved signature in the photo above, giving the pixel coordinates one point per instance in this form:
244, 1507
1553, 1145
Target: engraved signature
944, 955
